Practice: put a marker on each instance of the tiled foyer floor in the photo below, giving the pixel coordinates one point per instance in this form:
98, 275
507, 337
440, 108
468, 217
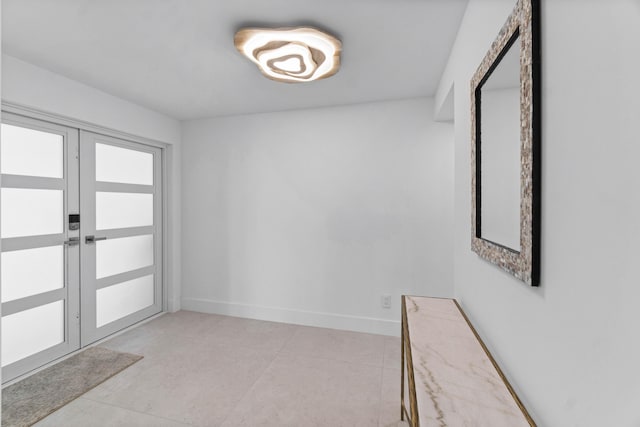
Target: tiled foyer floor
207, 370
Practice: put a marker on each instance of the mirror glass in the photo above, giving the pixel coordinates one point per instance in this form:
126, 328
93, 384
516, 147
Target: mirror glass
500, 152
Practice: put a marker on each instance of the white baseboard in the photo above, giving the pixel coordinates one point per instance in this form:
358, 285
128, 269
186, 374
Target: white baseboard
298, 317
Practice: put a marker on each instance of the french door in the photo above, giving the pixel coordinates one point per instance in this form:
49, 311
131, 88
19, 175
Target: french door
81, 239
40, 250
121, 234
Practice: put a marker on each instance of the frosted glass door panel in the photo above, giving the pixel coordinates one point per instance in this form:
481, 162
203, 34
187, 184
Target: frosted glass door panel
116, 256
117, 301
117, 164
122, 210
31, 331
31, 212
31, 152
32, 271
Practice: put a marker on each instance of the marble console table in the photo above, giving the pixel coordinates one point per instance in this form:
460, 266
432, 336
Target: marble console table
448, 376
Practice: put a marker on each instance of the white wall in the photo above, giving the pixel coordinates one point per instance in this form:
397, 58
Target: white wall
36, 87
309, 216
29, 86
571, 347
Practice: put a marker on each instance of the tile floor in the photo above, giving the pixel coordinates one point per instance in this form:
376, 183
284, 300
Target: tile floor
207, 370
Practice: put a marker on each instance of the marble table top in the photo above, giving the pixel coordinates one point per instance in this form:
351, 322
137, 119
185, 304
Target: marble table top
456, 382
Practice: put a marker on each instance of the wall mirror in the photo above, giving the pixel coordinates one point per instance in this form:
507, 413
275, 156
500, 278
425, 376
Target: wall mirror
505, 148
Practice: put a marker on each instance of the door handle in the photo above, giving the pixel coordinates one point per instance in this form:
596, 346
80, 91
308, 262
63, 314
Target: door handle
72, 241
93, 239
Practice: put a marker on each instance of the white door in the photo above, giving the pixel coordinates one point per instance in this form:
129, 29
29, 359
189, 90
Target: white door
81, 239
121, 203
40, 248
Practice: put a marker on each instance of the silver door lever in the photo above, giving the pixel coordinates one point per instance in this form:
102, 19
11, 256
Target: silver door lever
93, 239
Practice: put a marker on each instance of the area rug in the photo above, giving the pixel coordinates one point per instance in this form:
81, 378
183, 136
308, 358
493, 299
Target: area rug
30, 400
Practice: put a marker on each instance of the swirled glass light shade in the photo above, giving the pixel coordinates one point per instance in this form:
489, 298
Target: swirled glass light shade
291, 55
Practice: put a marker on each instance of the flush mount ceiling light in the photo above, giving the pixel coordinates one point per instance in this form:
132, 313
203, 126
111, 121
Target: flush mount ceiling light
291, 55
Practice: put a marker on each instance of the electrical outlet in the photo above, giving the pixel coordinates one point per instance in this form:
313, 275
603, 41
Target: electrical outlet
385, 301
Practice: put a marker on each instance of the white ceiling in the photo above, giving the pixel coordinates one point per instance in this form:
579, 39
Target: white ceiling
177, 56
